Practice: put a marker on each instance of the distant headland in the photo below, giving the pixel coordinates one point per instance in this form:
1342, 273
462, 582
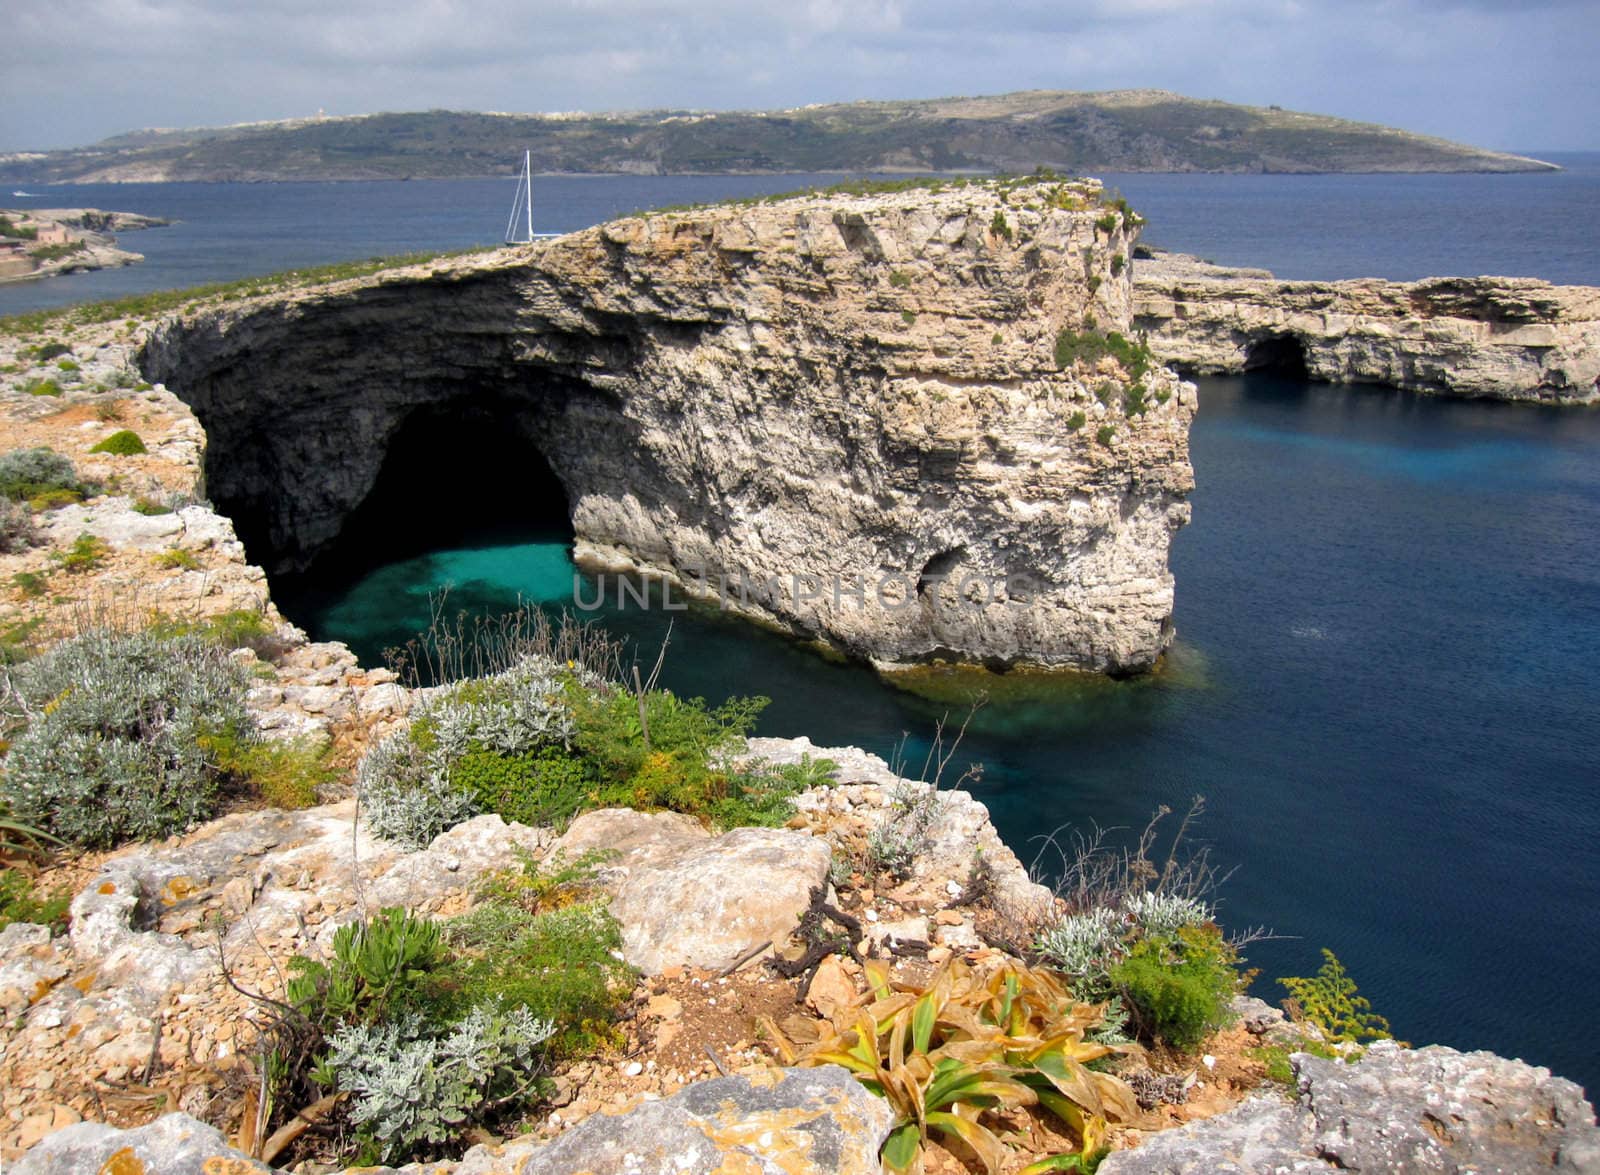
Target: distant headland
45, 242
1074, 131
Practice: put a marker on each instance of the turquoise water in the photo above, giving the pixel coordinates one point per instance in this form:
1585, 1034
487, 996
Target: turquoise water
1389, 623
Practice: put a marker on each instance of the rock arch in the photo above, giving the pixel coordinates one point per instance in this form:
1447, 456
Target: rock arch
747, 392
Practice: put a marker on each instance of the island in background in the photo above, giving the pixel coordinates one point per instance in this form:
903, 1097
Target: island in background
1072, 131
51, 241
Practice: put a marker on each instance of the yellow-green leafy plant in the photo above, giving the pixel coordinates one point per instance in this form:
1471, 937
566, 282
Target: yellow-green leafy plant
952, 1055
122, 443
1330, 1001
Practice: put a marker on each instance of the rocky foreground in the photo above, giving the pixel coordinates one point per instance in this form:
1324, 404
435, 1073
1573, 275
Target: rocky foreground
1499, 338
130, 1016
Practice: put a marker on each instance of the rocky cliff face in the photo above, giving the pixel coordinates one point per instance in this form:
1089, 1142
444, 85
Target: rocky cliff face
840, 414
1507, 338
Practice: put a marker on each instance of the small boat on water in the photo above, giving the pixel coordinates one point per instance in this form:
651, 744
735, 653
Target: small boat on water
519, 229
26, 195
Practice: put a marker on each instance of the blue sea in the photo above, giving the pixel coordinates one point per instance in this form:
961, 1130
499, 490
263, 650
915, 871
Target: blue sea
1388, 606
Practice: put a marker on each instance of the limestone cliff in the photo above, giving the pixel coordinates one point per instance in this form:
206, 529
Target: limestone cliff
1494, 337
841, 414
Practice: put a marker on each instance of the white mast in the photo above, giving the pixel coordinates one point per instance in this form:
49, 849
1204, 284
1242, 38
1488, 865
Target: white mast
522, 207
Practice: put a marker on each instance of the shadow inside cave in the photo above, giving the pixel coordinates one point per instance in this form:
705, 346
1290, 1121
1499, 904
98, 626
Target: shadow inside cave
1279, 355
461, 473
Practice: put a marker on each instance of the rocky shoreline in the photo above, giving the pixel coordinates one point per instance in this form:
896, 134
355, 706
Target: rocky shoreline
1501, 338
123, 1039
47, 242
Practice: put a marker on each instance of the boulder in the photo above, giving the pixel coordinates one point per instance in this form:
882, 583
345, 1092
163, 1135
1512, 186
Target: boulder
174, 1144
718, 899
1434, 1109
1429, 1109
686, 898
785, 1122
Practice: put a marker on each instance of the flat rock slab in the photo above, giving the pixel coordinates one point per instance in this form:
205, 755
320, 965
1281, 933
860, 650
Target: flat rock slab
1431, 1109
788, 1122
174, 1144
685, 898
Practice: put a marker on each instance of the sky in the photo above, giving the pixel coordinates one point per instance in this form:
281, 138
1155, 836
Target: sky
1509, 74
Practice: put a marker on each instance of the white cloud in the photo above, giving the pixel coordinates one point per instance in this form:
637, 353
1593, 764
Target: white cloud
1498, 72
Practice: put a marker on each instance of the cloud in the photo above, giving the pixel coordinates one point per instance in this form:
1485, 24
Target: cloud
1496, 72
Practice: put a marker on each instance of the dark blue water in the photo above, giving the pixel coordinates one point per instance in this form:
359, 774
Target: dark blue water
1388, 607
1315, 226
230, 231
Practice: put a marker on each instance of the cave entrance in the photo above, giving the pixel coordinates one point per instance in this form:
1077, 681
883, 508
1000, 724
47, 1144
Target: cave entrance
459, 474
1280, 355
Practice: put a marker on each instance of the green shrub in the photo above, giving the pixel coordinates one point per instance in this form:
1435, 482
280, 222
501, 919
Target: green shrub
540, 743
19, 902
438, 1029
406, 782
241, 628
1133, 403
42, 387
1177, 989
1331, 1001
899, 279
1076, 421
999, 225
17, 643
53, 500
122, 443
47, 351
374, 971
150, 507
284, 773
413, 1087
544, 786
31, 584
559, 964
1089, 346
1095, 282
1107, 223
56, 252
908, 317
85, 555
1105, 434
1118, 264
26, 473
997, 338
68, 365
176, 559
111, 735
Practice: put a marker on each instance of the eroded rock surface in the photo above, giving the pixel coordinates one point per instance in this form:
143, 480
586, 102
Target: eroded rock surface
174, 1144
1429, 1109
787, 1122
760, 404
1507, 338
687, 899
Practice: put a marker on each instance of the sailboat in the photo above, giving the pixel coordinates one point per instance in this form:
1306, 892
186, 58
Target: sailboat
519, 229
